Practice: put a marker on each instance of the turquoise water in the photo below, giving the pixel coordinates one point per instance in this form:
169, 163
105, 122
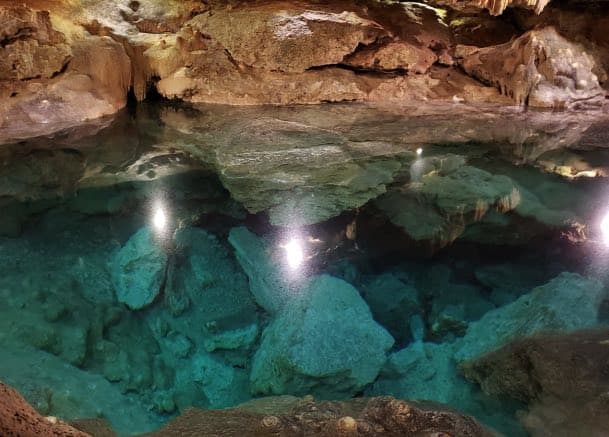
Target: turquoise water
176, 256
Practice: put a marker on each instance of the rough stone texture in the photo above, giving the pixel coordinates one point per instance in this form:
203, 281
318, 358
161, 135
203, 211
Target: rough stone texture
268, 281
78, 61
59, 389
393, 303
19, 419
566, 303
495, 7
562, 377
290, 40
52, 79
139, 269
31, 48
329, 319
541, 68
285, 416
449, 196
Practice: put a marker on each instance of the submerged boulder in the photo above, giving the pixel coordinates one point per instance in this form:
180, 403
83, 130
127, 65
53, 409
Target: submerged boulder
139, 269
444, 197
566, 303
563, 378
325, 335
268, 284
393, 303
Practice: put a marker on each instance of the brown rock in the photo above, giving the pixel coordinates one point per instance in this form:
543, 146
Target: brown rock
395, 55
355, 417
563, 378
495, 7
51, 80
287, 37
540, 68
30, 48
19, 419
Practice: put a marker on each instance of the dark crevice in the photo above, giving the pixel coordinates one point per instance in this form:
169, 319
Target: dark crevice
360, 71
63, 69
22, 34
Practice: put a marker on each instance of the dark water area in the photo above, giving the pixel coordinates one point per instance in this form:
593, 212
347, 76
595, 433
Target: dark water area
176, 256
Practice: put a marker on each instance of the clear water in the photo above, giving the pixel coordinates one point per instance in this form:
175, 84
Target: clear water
164, 258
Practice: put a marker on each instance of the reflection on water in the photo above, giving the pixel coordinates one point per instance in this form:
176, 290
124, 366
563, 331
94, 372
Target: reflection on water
184, 257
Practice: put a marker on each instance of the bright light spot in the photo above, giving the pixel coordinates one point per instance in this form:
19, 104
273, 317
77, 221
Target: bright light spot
159, 219
294, 253
605, 228
419, 151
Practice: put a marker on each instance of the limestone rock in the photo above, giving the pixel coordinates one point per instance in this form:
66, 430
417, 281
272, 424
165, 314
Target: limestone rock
285, 415
395, 55
139, 269
54, 75
31, 48
566, 303
223, 385
269, 284
58, 389
541, 68
287, 40
448, 200
560, 376
329, 319
493, 7
424, 371
393, 303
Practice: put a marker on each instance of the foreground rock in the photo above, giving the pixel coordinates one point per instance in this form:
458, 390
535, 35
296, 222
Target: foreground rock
287, 416
19, 419
562, 377
329, 319
53, 77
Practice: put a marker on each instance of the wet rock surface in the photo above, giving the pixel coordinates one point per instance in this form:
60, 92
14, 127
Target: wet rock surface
67, 63
563, 376
18, 418
289, 416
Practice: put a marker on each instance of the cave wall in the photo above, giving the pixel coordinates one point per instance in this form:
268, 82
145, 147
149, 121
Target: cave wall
65, 62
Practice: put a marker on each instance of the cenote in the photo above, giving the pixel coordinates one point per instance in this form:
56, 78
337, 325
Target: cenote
304, 218
175, 256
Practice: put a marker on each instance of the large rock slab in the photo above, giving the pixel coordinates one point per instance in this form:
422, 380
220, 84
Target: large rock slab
139, 269
270, 285
326, 334
566, 303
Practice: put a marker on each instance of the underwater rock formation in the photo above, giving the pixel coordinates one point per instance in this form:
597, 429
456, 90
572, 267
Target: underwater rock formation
329, 319
139, 269
268, 283
561, 376
568, 302
393, 304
